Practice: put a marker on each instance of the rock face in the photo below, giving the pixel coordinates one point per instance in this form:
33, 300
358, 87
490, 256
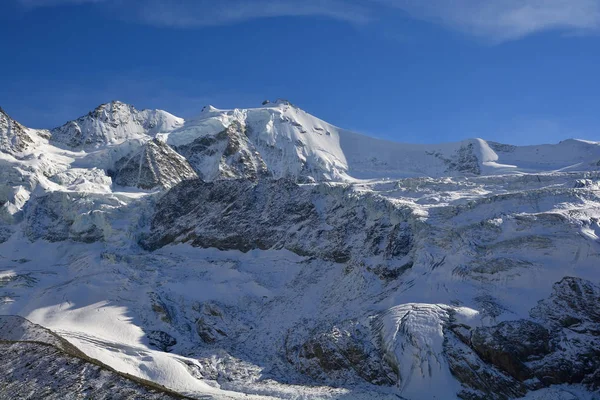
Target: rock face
161, 340
562, 347
463, 161
155, 165
511, 345
229, 154
18, 329
328, 222
573, 306
113, 123
341, 354
479, 380
573, 319
14, 137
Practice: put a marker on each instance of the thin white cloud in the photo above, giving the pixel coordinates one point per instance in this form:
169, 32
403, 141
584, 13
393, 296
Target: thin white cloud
495, 20
50, 3
502, 20
199, 13
185, 13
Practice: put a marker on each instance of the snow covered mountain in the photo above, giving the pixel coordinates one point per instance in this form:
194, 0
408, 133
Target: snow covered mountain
264, 253
113, 123
283, 141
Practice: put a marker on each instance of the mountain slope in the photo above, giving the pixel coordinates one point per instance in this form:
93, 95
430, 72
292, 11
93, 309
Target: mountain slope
154, 165
264, 253
288, 141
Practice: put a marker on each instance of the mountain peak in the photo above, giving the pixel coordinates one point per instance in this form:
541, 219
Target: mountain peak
276, 103
283, 102
4, 115
114, 103
114, 106
209, 109
113, 123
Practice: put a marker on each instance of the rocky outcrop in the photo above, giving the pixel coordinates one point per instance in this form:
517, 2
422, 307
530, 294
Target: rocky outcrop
14, 137
464, 161
341, 354
155, 165
227, 155
561, 346
511, 345
161, 340
329, 222
480, 380
572, 316
573, 305
277, 140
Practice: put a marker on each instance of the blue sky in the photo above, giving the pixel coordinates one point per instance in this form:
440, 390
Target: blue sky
515, 71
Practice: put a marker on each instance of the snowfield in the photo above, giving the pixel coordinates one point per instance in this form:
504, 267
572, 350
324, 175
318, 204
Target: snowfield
264, 253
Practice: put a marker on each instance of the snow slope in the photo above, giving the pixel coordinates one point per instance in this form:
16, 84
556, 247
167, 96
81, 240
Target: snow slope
53, 368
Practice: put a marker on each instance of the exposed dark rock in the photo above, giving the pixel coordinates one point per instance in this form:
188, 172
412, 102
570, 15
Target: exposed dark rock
510, 345
227, 155
574, 304
208, 333
324, 221
161, 340
162, 310
500, 147
482, 382
5, 233
39, 371
341, 354
573, 316
562, 347
216, 323
582, 183
14, 137
155, 165
463, 161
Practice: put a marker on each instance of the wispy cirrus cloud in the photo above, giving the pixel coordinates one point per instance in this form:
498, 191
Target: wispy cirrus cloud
493, 20
200, 13
503, 20
206, 13
50, 3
